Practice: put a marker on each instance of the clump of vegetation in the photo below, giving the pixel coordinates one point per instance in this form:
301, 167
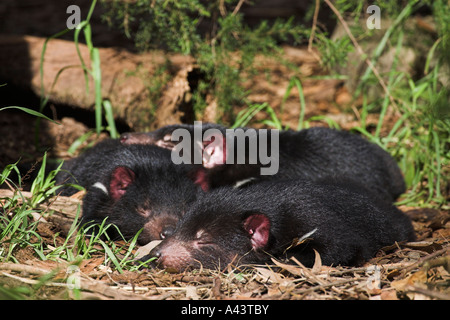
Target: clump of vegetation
419, 137
214, 32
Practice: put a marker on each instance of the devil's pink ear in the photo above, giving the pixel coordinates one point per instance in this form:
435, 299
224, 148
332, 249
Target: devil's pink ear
200, 178
258, 226
121, 178
214, 149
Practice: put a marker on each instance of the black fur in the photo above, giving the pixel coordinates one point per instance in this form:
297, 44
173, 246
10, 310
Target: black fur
219, 228
313, 154
145, 190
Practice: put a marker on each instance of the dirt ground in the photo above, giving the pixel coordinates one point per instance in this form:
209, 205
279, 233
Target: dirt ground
415, 271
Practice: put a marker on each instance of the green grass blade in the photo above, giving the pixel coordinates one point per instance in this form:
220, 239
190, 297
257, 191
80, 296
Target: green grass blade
111, 256
386, 99
110, 119
95, 56
406, 12
30, 111
301, 118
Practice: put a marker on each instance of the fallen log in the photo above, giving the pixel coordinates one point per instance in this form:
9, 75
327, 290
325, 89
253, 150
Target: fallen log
125, 76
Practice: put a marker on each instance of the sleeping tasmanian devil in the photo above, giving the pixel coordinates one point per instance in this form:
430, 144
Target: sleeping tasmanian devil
282, 219
311, 154
136, 187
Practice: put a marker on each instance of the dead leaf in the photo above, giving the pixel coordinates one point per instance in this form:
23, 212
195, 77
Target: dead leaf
317, 267
296, 271
439, 262
308, 273
418, 277
191, 293
268, 275
389, 294
87, 266
79, 195
143, 251
427, 246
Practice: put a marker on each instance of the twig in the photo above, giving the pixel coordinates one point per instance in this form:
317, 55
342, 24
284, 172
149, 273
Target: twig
442, 261
32, 281
134, 289
429, 293
425, 259
164, 297
222, 9
201, 279
313, 31
361, 52
238, 7
23, 268
308, 273
9, 185
324, 286
86, 283
216, 288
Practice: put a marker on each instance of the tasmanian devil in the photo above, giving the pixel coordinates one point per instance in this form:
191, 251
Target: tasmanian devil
313, 154
283, 219
162, 137
135, 187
